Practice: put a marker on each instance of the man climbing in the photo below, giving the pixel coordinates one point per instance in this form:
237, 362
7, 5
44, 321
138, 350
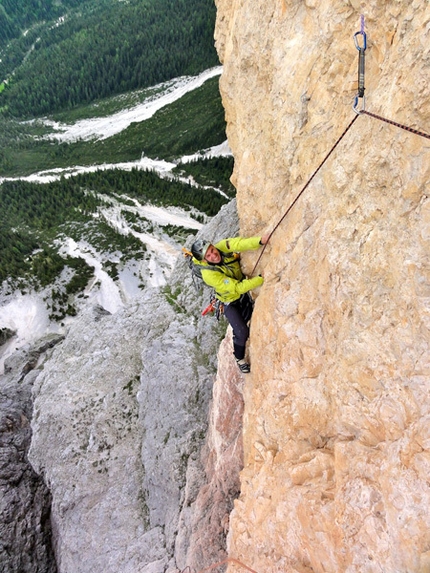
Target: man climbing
220, 269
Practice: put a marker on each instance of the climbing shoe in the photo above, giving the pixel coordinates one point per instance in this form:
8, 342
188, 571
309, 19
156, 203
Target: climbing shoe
243, 366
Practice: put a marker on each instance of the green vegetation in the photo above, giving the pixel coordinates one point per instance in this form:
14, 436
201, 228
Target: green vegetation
180, 234
17, 15
43, 207
31, 218
194, 122
5, 334
62, 297
215, 172
148, 187
104, 48
172, 298
132, 385
15, 249
77, 59
108, 240
34, 215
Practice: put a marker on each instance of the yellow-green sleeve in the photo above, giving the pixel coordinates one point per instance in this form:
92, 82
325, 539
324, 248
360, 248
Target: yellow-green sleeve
229, 288
238, 244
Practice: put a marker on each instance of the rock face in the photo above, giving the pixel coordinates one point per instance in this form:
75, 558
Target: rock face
136, 444
337, 410
222, 457
25, 501
120, 428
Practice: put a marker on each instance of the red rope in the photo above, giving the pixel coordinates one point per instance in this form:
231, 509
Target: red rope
362, 112
303, 189
411, 129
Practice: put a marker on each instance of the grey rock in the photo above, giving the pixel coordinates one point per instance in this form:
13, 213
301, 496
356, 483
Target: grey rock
25, 501
120, 419
5, 335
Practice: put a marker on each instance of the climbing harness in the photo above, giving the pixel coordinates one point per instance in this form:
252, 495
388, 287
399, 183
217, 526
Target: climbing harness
361, 45
215, 306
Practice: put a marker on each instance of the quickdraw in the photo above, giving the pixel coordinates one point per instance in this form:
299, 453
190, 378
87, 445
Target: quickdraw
361, 46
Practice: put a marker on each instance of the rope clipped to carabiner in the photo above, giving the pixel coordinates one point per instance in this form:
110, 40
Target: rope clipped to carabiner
361, 45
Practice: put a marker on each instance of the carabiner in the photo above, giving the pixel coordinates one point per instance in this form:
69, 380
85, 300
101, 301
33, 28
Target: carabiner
355, 104
364, 41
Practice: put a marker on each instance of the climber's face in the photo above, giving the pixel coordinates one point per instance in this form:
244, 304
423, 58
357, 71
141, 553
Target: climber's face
213, 255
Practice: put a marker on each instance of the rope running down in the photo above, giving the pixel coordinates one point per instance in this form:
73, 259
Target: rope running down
304, 189
362, 112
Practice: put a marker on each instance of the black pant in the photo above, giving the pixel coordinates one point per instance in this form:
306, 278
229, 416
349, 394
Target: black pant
238, 313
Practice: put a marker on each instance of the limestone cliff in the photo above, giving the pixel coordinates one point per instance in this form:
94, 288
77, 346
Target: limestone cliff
337, 411
138, 447
140, 482
25, 501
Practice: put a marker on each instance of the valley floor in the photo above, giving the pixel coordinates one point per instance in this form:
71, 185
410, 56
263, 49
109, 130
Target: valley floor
26, 313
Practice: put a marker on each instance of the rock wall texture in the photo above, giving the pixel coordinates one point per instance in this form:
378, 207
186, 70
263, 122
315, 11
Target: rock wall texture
337, 409
134, 438
25, 501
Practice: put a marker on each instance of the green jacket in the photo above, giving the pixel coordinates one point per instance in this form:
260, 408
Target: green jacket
226, 277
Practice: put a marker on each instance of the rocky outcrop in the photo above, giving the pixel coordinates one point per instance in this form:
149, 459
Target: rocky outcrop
120, 428
336, 422
222, 456
5, 335
140, 444
25, 501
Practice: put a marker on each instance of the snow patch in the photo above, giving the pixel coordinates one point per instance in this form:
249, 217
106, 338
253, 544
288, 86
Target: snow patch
50, 175
108, 295
27, 315
166, 216
163, 168
103, 127
221, 150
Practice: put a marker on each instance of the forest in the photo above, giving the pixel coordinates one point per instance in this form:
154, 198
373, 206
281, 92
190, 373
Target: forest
103, 48
30, 217
33, 214
148, 187
67, 60
213, 171
18, 15
195, 121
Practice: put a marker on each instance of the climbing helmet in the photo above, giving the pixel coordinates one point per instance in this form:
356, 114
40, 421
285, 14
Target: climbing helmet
199, 249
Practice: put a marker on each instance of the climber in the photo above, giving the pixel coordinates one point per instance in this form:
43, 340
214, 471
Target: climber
220, 269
